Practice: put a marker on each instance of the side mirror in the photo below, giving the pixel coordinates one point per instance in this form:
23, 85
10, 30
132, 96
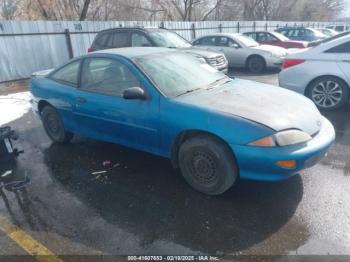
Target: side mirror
134, 93
236, 46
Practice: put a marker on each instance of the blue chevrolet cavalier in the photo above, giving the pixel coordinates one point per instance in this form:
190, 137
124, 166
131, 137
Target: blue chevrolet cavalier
214, 128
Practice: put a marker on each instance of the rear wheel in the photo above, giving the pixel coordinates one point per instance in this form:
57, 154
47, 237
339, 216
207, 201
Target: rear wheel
328, 92
207, 164
256, 64
54, 126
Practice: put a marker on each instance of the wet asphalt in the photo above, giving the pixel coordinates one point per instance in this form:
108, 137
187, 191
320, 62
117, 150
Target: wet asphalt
141, 205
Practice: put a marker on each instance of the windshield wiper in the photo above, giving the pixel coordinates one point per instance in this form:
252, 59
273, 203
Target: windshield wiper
189, 91
212, 85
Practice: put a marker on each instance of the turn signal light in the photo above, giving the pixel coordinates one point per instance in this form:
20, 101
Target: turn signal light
287, 164
264, 142
291, 62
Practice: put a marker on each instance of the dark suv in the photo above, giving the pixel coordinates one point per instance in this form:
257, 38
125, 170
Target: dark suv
136, 37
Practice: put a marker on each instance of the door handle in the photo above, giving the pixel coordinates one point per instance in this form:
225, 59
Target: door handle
346, 61
81, 100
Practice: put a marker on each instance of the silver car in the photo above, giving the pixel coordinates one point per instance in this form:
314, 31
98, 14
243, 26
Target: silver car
322, 73
243, 51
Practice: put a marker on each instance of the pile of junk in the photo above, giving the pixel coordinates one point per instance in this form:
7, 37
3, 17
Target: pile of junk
8, 155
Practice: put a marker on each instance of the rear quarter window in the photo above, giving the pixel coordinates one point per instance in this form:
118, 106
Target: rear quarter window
68, 74
343, 48
102, 39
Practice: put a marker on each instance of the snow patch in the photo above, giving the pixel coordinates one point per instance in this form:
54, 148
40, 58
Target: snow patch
14, 106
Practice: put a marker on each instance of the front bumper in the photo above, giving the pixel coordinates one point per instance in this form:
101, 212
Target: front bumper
273, 61
259, 163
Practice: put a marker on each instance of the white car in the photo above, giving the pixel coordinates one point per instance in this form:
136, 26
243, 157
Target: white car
322, 73
328, 32
243, 51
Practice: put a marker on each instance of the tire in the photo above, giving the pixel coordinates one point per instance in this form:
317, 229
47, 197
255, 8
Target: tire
256, 64
53, 125
328, 92
207, 164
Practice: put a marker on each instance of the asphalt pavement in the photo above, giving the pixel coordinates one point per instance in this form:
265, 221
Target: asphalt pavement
141, 205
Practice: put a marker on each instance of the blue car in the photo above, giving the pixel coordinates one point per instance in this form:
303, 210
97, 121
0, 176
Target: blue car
214, 128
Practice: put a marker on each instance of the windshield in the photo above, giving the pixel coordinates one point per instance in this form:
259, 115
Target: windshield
280, 36
316, 43
319, 34
247, 41
168, 39
176, 73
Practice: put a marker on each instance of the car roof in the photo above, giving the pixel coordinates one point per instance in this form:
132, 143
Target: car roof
132, 52
221, 34
133, 28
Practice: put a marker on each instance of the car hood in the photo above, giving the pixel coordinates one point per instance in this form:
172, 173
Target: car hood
273, 49
201, 52
271, 106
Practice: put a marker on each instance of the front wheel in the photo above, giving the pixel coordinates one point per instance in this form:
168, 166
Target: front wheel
207, 164
328, 93
54, 126
256, 64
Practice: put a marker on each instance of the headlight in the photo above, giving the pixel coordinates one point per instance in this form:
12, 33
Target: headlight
283, 138
201, 59
275, 55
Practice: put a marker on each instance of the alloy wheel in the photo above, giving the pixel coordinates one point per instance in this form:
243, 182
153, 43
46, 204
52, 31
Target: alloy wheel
327, 94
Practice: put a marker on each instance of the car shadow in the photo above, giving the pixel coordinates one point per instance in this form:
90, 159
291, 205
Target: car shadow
235, 71
341, 122
143, 194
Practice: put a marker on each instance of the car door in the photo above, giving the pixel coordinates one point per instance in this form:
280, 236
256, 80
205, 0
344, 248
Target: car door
232, 50
104, 114
343, 57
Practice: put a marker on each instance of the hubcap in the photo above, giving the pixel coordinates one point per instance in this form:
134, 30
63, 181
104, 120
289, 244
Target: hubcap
52, 124
203, 167
327, 94
256, 65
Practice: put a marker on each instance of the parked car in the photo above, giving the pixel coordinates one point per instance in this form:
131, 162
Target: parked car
322, 73
156, 37
301, 33
339, 28
214, 128
243, 51
328, 32
276, 39
316, 43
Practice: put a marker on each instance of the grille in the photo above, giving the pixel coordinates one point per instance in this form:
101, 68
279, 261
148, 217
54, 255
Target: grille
216, 61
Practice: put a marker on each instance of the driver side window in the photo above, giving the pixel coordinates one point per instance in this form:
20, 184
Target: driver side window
106, 76
227, 42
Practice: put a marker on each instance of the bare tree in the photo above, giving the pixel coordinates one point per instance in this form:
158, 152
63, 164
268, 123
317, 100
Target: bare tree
185, 10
